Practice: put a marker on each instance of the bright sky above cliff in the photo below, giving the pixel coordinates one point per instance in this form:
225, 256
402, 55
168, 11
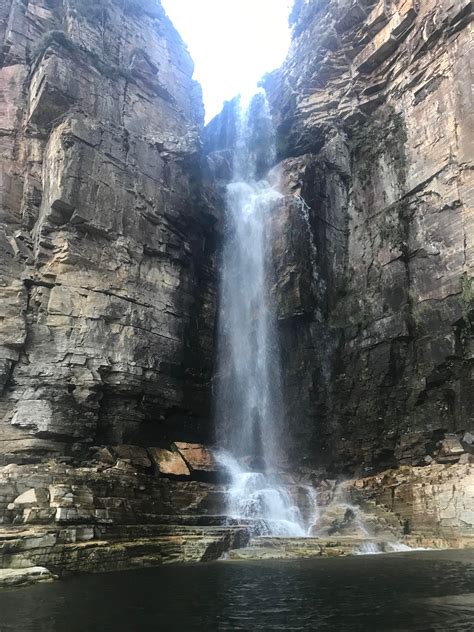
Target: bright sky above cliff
232, 42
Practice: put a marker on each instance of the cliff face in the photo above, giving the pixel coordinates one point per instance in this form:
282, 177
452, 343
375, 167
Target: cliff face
108, 234
107, 291
375, 254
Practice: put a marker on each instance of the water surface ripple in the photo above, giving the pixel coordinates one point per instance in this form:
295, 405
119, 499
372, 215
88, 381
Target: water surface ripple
422, 592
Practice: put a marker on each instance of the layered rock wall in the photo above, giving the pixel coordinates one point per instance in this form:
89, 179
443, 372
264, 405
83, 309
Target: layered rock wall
432, 501
108, 236
107, 244
374, 248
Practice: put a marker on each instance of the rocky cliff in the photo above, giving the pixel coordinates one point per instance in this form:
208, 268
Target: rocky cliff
108, 259
107, 236
375, 243
109, 231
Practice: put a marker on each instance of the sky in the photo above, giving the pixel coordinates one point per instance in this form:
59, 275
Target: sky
233, 43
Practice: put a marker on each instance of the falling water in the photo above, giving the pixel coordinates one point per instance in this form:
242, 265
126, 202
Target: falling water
305, 210
262, 500
249, 406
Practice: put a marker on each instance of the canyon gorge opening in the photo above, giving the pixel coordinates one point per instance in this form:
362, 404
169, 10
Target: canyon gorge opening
248, 340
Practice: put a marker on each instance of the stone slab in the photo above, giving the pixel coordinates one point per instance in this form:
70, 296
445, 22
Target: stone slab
169, 463
13, 577
198, 457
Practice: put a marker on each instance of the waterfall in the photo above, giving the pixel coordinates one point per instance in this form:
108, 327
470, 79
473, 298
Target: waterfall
249, 405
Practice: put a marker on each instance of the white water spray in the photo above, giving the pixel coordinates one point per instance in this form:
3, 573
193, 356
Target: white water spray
263, 501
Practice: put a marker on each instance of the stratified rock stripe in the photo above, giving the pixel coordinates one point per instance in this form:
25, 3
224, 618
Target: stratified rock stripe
106, 245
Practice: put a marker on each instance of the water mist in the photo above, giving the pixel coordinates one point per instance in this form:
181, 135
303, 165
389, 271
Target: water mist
249, 407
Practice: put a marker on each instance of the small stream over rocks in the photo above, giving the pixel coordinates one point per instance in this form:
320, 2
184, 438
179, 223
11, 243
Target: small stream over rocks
267, 502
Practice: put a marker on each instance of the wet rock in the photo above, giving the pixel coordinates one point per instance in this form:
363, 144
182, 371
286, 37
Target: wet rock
268, 547
13, 577
72, 549
338, 520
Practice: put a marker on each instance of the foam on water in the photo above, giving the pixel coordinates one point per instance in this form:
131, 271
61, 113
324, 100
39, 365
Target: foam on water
374, 548
262, 499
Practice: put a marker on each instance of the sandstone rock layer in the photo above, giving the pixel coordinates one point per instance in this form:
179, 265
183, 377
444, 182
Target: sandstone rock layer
107, 286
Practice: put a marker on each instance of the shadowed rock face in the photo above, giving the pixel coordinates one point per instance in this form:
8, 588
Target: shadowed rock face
374, 251
375, 135
107, 240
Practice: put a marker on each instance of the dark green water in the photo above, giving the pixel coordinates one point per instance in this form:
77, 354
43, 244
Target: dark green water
416, 591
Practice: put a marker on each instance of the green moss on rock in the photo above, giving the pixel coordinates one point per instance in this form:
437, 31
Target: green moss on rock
384, 134
52, 38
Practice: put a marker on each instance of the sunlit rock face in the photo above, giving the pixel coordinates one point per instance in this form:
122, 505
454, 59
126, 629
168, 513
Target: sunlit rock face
375, 264
107, 247
434, 500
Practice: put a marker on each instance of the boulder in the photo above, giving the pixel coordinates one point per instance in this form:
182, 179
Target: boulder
468, 442
198, 458
168, 463
338, 519
450, 449
105, 455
